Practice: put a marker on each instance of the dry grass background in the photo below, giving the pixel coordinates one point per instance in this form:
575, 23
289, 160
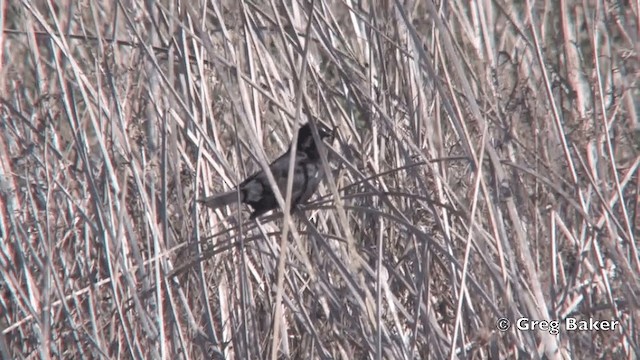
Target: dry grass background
485, 166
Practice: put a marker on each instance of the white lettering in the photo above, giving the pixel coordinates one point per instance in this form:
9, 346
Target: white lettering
524, 324
572, 324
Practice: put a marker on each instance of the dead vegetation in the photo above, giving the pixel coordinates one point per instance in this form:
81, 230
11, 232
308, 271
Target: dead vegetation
485, 167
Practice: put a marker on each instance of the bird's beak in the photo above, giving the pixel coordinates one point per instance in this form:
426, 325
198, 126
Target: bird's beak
325, 133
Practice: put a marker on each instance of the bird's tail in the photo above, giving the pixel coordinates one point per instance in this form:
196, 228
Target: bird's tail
220, 200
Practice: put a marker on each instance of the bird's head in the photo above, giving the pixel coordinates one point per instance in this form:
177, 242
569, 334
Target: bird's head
305, 137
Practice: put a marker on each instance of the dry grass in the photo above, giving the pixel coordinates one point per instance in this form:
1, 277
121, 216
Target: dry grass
486, 166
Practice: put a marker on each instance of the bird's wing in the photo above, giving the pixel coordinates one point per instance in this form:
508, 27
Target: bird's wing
257, 186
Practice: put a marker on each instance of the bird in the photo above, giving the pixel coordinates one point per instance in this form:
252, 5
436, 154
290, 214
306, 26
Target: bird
256, 191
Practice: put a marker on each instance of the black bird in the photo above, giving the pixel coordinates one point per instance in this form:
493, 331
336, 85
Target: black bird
257, 192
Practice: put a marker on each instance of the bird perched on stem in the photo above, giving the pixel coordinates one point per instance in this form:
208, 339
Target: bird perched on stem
256, 191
